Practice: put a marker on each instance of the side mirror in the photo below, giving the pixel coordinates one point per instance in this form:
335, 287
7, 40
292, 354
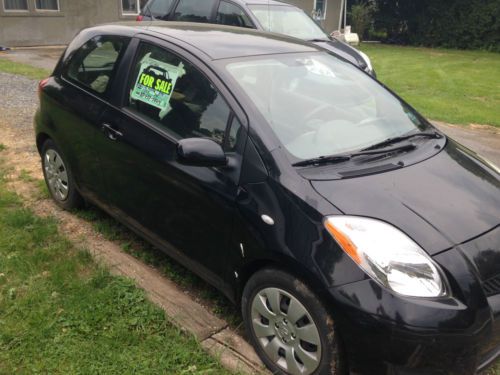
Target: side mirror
201, 152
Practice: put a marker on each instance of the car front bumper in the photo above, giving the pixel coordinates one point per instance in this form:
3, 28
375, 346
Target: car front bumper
385, 333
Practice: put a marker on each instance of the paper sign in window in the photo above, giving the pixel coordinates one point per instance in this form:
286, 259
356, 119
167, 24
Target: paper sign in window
156, 82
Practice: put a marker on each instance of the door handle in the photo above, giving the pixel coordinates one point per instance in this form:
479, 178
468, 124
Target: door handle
111, 132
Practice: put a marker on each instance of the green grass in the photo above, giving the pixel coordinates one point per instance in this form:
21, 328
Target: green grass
60, 313
2, 147
25, 176
26, 70
459, 87
495, 370
42, 189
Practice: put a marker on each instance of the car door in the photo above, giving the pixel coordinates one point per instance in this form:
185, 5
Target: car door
184, 209
82, 98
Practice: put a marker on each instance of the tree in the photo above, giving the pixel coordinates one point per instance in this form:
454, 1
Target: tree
446, 23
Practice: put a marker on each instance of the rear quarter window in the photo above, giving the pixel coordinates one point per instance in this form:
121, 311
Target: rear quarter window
94, 64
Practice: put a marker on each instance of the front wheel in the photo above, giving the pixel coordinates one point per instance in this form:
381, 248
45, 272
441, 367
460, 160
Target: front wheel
288, 325
59, 178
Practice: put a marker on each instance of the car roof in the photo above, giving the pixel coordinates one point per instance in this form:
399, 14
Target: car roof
214, 41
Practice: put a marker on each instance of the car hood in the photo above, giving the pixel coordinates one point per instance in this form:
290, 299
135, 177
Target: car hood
344, 50
440, 202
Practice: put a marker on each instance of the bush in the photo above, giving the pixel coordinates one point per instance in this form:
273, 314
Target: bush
464, 24
361, 18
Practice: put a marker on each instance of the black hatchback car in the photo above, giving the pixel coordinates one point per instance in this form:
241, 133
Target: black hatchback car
355, 236
266, 15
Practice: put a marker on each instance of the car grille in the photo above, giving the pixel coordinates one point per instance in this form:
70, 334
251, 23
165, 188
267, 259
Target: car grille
492, 286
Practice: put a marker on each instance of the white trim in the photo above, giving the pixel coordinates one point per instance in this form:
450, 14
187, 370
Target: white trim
48, 10
128, 13
323, 16
342, 7
16, 10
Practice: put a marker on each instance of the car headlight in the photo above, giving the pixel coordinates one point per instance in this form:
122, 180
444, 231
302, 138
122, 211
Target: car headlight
368, 62
387, 255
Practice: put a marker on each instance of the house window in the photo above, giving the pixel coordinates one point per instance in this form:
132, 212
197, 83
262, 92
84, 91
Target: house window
47, 5
15, 5
319, 11
132, 7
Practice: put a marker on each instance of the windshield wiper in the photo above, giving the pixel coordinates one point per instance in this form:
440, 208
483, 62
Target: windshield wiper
391, 141
342, 158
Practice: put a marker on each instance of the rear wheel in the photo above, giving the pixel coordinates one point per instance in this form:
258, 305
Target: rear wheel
288, 325
59, 178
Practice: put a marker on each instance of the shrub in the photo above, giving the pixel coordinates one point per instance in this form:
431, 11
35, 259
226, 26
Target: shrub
464, 24
361, 18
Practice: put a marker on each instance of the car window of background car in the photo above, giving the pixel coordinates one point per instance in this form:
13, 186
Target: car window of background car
319, 105
287, 20
94, 63
194, 10
196, 109
158, 8
232, 15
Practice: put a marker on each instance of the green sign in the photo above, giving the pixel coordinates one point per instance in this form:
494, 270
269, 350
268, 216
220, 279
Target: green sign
156, 82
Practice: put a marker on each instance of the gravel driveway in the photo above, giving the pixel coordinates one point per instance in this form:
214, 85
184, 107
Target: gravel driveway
18, 99
18, 103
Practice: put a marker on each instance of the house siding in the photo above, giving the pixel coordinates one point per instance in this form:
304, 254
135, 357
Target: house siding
51, 27
331, 21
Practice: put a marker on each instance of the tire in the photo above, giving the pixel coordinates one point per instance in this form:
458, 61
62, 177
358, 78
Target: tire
58, 177
285, 344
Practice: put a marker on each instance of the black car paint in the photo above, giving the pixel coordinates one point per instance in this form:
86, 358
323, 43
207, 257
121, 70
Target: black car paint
333, 45
223, 239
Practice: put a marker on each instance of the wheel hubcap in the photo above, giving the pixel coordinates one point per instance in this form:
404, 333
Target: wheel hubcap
56, 175
286, 332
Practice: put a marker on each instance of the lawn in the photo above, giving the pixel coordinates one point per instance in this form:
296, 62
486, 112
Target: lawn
26, 70
459, 87
60, 313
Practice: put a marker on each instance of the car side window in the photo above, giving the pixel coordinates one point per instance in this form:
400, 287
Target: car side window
158, 8
93, 65
194, 10
232, 15
174, 95
233, 135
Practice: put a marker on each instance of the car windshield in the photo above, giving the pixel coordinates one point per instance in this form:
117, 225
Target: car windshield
318, 105
287, 20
